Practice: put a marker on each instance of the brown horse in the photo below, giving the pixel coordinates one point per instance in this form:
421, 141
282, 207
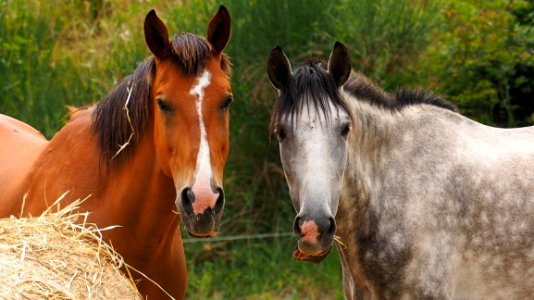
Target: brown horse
155, 144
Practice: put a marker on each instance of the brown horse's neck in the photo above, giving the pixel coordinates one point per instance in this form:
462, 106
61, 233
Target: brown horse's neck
144, 194
131, 195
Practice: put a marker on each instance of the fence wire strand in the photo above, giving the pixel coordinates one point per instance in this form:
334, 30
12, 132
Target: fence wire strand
239, 237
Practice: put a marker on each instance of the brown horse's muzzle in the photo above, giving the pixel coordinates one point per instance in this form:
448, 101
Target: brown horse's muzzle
201, 220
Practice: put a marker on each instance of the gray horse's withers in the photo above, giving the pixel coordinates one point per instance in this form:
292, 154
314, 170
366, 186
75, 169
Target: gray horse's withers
431, 203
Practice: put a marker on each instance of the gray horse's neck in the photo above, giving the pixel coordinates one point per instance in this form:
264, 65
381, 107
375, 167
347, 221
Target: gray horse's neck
384, 141
372, 140
373, 190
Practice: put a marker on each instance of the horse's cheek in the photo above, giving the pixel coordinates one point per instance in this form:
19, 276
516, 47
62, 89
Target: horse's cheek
163, 149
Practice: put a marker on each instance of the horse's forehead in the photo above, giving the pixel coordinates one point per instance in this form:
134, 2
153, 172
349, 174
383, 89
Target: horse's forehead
219, 79
314, 117
168, 75
171, 79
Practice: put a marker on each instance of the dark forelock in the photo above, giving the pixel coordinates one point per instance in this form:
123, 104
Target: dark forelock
310, 85
191, 53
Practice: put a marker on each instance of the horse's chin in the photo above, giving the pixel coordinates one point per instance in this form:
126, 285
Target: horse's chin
316, 252
196, 229
205, 225
210, 234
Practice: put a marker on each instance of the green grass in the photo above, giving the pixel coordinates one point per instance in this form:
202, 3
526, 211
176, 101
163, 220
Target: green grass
259, 269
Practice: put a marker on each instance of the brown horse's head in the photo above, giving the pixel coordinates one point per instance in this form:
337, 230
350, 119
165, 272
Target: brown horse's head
191, 95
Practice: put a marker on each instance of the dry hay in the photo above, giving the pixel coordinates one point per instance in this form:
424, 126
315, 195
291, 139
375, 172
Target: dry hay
55, 256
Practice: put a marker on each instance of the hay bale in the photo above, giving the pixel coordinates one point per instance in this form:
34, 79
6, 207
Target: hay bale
53, 256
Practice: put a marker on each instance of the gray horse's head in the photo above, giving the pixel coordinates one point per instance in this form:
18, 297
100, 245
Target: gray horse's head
312, 123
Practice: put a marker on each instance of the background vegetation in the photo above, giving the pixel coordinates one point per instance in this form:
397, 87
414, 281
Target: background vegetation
478, 54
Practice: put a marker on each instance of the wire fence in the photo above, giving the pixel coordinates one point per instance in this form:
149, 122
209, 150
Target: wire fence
239, 237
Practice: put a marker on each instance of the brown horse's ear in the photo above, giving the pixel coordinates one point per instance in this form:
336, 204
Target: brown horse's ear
339, 64
156, 35
219, 29
278, 68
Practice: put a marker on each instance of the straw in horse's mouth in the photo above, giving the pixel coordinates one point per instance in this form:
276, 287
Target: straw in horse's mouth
337, 239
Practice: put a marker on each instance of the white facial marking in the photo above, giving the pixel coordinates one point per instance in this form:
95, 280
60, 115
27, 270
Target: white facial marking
202, 186
316, 166
317, 158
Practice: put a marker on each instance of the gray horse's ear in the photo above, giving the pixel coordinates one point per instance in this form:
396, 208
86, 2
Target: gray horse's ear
278, 68
339, 64
156, 35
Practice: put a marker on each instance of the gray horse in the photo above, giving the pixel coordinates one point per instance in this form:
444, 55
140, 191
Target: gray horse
421, 202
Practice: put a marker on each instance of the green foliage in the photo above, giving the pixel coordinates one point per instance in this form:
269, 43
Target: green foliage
476, 57
384, 35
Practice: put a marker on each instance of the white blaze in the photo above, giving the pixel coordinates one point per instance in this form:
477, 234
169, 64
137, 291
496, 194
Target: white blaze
201, 186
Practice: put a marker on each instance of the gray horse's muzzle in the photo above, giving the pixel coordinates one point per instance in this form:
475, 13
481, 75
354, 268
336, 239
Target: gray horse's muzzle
315, 234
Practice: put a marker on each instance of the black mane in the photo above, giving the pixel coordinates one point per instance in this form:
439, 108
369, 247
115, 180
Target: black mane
365, 90
110, 122
309, 85
421, 96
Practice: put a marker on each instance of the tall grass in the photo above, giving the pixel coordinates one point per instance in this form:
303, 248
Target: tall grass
29, 33
57, 53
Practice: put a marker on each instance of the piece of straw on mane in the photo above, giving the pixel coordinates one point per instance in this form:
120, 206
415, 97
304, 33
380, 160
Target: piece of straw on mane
55, 256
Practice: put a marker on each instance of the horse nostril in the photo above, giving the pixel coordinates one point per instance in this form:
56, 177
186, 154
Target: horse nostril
296, 227
220, 201
332, 228
326, 226
188, 197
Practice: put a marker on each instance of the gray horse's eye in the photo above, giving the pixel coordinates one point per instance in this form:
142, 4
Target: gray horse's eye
345, 130
280, 132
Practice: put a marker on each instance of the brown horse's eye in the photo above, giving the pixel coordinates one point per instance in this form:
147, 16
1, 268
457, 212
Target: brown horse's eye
226, 103
164, 106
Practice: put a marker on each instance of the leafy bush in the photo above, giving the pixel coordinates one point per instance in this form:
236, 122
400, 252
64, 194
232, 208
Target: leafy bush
481, 58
